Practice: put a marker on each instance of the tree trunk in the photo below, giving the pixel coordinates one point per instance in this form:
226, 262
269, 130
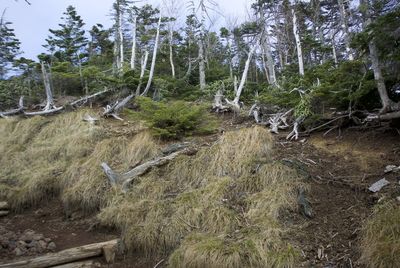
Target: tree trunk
133, 56
171, 52
63, 257
47, 85
153, 62
145, 58
298, 43
345, 26
202, 73
121, 39
270, 61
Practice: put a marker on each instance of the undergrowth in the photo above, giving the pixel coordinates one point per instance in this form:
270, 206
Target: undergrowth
381, 237
219, 208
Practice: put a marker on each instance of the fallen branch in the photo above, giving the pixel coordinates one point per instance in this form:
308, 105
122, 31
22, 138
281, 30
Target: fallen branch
112, 110
20, 109
45, 112
127, 178
65, 256
85, 99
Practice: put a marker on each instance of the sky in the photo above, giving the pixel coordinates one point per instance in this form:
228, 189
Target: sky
31, 22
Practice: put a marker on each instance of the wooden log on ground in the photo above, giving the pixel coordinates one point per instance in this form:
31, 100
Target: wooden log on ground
82, 264
19, 110
112, 110
127, 178
4, 213
87, 98
63, 257
44, 112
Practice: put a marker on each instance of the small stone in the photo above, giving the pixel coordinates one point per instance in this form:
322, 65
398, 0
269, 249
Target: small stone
398, 198
37, 237
18, 252
51, 246
21, 244
28, 236
42, 244
32, 244
47, 240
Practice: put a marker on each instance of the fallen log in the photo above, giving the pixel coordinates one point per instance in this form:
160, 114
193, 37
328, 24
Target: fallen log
87, 98
4, 213
82, 264
112, 110
44, 112
63, 257
127, 178
20, 109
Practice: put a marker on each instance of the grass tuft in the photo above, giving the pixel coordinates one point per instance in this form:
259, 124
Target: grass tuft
380, 244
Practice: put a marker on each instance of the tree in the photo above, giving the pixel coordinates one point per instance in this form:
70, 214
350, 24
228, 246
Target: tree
70, 40
9, 46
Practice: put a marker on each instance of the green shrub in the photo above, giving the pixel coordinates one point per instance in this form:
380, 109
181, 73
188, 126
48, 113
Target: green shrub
174, 120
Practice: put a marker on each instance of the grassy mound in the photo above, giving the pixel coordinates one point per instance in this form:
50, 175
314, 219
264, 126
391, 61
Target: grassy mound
44, 157
381, 237
220, 208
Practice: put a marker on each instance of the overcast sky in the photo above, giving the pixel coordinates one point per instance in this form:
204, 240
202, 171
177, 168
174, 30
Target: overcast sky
31, 22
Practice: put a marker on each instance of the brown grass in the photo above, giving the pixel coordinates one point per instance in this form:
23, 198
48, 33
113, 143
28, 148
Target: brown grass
217, 209
44, 157
381, 237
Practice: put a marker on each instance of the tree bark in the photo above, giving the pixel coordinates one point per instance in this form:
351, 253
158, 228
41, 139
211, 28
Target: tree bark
133, 56
298, 43
47, 85
63, 257
345, 26
20, 109
202, 73
153, 62
171, 52
143, 65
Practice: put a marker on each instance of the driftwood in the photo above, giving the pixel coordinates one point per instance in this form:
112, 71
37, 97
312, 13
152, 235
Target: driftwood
19, 110
126, 179
64, 257
85, 99
112, 110
82, 264
45, 112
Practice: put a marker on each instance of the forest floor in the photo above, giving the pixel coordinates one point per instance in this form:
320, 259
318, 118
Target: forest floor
339, 170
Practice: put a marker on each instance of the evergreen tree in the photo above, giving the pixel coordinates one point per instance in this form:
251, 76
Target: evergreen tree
9, 46
69, 42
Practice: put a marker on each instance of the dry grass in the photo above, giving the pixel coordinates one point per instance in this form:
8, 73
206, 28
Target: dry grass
44, 157
219, 208
381, 237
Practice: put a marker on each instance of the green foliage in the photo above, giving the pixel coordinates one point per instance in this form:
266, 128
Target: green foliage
9, 46
174, 120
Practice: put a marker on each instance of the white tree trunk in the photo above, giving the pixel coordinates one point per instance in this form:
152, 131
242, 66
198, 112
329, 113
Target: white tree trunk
202, 73
334, 50
133, 56
121, 39
145, 58
47, 86
171, 52
235, 102
298, 43
270, 61
345, 26
153, 62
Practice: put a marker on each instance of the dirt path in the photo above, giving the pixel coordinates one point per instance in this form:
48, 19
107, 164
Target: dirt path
340, 171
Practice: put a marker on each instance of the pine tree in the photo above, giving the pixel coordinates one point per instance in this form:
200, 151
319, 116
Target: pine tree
69, 42
9, 46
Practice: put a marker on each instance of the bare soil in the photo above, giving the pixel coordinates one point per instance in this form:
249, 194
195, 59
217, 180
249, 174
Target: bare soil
339, 170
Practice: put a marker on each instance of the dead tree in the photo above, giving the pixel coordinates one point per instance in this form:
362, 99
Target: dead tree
18, 110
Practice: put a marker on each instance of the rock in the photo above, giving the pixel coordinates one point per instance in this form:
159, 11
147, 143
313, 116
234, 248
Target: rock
4, 206
28, 236
377, 186
38, 237
52, 246
398, 198
3, 213
18, 252
42, 244
47, 240
22, 244
392, 168
32, 244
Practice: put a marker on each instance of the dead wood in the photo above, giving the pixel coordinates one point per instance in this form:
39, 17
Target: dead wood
63, 257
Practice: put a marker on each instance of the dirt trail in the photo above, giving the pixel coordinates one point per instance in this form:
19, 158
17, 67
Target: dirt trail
340, 171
